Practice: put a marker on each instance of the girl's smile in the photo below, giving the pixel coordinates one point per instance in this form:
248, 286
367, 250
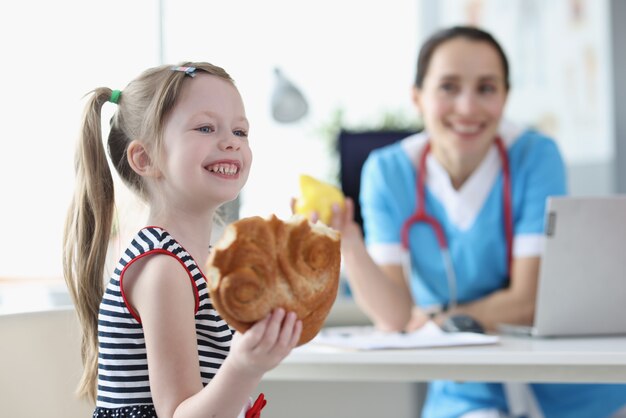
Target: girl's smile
227, 169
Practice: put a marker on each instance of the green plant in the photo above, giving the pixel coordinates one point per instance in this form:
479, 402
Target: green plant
389, 120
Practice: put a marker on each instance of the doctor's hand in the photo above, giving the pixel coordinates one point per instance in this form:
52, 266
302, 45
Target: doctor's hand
419, 318
343, 221
313, 215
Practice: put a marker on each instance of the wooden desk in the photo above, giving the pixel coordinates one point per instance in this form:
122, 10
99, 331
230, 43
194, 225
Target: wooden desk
514, 359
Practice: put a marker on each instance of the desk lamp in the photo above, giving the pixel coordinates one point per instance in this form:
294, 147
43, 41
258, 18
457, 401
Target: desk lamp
288, 103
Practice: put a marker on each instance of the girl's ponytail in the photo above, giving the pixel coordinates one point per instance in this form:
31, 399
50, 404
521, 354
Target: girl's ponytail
87, 233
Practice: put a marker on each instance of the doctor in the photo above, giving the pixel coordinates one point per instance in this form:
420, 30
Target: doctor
464, 201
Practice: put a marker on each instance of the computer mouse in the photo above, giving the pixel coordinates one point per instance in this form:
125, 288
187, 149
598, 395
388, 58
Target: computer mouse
462, 323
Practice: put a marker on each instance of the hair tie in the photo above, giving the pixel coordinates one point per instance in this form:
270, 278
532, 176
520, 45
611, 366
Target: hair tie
115, 96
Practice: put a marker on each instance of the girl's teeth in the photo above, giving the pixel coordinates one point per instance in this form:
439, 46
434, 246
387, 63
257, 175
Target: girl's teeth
229, 169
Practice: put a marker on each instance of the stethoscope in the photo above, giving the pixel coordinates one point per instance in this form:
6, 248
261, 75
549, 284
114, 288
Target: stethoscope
420, 215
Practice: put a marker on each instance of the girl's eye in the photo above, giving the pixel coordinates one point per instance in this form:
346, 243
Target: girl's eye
205, 129
241, 133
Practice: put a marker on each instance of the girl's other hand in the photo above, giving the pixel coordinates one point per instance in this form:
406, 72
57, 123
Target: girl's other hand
266, 343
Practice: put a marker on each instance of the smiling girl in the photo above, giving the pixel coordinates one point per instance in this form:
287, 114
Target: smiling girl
152, 342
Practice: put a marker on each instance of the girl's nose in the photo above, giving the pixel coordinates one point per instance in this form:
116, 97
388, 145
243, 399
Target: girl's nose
230, 142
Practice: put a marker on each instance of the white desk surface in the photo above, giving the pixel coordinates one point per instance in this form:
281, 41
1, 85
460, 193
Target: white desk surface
597, 360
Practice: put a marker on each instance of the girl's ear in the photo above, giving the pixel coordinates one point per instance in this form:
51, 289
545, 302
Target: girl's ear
140, 161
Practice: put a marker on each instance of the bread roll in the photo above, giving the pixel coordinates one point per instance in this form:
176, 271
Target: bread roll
261, 264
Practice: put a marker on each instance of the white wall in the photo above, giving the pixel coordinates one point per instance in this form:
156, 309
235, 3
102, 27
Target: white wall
354, 55
350, 54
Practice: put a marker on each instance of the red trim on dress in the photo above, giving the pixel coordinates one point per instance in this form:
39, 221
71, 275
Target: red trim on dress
151, 252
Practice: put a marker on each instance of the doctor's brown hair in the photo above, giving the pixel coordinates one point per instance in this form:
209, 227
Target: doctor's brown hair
467, 32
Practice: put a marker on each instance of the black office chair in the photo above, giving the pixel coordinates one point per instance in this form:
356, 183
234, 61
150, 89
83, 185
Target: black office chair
354, 147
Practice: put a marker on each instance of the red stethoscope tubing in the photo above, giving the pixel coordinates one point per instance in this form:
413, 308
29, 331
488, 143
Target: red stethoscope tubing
420, 214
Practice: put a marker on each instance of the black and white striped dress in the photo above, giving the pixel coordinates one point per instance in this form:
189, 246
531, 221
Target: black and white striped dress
123, 386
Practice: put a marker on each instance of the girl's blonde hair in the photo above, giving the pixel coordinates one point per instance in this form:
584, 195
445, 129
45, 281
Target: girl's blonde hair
142, 109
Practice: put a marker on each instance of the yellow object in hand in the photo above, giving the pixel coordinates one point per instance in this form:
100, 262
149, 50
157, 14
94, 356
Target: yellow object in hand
317, 196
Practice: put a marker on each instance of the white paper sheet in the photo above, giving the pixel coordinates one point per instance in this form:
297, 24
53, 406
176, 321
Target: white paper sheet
368, 338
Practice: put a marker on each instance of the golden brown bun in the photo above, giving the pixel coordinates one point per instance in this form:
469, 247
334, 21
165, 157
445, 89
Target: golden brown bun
261, 264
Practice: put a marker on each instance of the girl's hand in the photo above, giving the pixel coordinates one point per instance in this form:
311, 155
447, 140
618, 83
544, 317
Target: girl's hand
266, 343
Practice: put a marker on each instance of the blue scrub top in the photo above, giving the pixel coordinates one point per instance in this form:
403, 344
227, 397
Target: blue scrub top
472, 220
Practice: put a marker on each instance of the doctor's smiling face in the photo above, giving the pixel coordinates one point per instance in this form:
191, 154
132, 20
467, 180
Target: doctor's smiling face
461, 96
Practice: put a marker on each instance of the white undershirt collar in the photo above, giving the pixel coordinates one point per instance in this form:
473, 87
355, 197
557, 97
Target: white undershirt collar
463, 205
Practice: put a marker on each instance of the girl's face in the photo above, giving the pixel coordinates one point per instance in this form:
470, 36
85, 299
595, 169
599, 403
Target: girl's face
206, 153
462, 99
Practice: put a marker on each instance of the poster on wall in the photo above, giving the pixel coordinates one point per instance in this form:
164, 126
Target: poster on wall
559, 54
